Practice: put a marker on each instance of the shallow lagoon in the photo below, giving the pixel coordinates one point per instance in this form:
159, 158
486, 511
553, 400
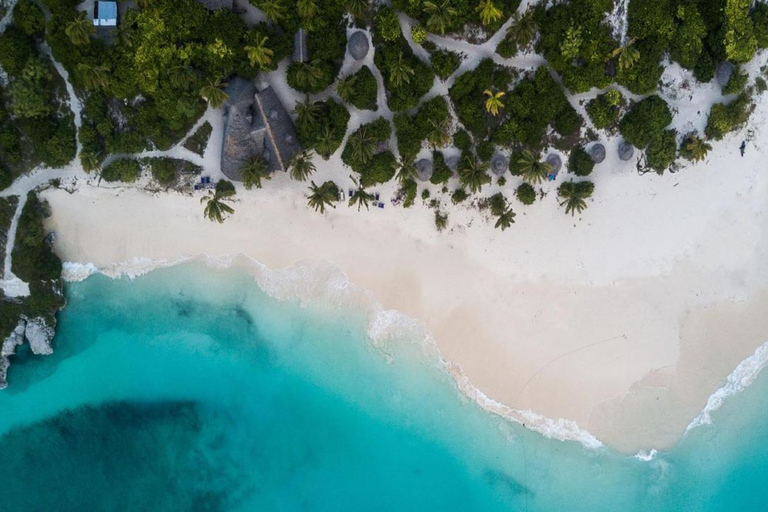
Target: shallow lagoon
191, 389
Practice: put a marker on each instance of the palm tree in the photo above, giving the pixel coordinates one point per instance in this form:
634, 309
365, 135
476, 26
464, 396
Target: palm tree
260, 55
274, 10
574, 195
213, 94
346, 87
308, 74
326, 142
489, 13
506, 219
473, 174
253, 171
439, 135
308, 114
94, 77
361, 197
89, 161
400, 72
215, 207
307, 9
532, 169
357, 7
322, 196
627, 55
301, 165
493, 104
523, 28
441, 15
80, 29
697, 148
181, 76
363, 145
407, 172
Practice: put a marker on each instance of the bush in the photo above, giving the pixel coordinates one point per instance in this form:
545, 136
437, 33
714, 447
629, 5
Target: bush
442, 173
760, 20
459, 195
365, 90
462, 141
737, 82
740, 39
645, 121
29, 17
297, 80
661, 152
380, 169
198, 141
418, 34
727, 118
580, 163
126, 170
445, 63
6, 179
604, 110
526, 194
164, 170
387, 24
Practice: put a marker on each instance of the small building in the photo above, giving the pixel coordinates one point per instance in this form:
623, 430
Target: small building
425, 169
358, 45
626, 150
499, 164
105, 14
300, 51
597, 152
556, 163
257, 124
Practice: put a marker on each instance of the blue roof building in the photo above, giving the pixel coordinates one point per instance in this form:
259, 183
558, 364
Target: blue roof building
105, 14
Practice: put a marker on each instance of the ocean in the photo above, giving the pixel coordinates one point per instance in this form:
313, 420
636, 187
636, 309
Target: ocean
190, 388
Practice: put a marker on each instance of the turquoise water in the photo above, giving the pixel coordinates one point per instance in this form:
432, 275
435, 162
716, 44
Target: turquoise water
190, 389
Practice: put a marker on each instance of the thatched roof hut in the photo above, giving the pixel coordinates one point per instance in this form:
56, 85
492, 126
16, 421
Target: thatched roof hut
425, 169
626, 150
358, 45
597, 152
554, 161
499, 164
724, 73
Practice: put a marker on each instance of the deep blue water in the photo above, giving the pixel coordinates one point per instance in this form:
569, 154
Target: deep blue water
190, 389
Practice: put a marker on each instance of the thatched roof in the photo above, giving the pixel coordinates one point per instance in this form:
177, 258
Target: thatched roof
358, 45
425, 169
724, 73
555, 162
300, 52
256, 124
215, 5
597, 152
499, 164
626, 150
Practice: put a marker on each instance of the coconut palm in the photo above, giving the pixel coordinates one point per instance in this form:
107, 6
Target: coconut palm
307, 9
301, 165
533, 169
89, 161
254, 171
322, 196
326, 142
400, 72
360, 197
407, 172
80, 29
440, 132
346, 87
523, 28
260, 55
181, 76
489, 13
213, 94
493, 104
274, 10
574, 195
697, 148
628, 56
441, 15
94, 77
363, 145
473, 174
506, 219
215, 206
308, 74
308, 114
357, 7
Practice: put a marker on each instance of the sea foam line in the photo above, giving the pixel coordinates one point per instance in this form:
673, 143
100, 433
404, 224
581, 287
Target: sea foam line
322, 282
739, 379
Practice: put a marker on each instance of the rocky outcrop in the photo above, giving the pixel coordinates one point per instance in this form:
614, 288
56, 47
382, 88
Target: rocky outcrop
36, 332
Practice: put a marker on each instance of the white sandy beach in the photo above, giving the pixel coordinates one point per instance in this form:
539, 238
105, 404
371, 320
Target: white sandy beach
624, 320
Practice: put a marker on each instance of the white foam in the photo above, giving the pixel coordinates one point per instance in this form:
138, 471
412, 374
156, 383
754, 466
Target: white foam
76, 272
646, 456
739, 379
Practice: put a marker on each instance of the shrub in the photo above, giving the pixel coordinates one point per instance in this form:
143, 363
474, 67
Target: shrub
726, 118
314, 85
441, 172
29, 17
462, 140
365, 90
6, 179
760, 20
661, 152
526, 194
737, 82
387, 24
459, 195
645, 121
740, 39
126, 170
604, 110
418, 34
198, 141
445, 63
379, 170
164, 170
580, 163
441, 220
